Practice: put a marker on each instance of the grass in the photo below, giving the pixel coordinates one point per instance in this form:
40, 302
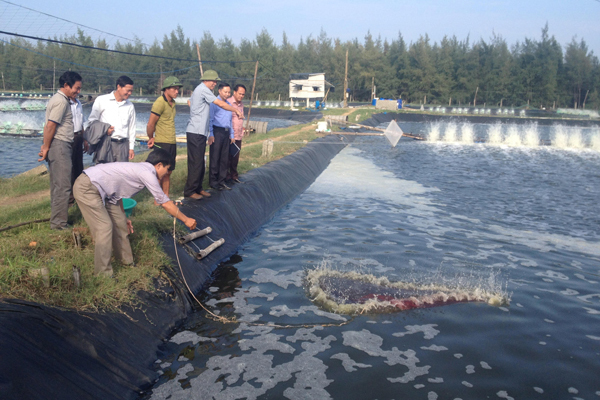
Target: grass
28, 248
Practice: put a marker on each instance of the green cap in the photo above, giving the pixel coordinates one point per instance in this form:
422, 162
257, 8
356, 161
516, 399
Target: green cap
210, 75
170, 82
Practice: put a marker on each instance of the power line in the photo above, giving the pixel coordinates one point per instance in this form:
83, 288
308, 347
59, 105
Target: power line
70, 22
114, 51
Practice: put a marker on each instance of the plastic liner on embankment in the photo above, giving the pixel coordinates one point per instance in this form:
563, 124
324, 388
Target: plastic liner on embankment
49, 353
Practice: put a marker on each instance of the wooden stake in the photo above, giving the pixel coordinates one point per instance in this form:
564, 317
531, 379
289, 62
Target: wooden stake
252, 95
199, 59
346, 82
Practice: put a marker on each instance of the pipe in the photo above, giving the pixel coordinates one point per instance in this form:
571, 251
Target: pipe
203, 253
195, 235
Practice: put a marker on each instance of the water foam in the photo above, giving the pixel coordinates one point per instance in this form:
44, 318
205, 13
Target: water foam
514, 135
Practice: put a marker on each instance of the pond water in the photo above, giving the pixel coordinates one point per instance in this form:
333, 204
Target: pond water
19, 154
515, 219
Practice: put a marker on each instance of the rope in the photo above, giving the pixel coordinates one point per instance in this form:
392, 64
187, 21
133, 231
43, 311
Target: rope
225, 320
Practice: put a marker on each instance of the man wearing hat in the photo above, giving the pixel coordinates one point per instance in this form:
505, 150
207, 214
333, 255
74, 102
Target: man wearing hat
161, 125
198, 132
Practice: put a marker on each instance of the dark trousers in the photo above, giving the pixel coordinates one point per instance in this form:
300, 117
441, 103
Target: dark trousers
232, 172
219, 157
77, 158
120, 150
196, 147
59, 166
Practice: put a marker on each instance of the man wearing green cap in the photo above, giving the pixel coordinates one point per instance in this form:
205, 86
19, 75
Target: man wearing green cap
161, 125
198, 132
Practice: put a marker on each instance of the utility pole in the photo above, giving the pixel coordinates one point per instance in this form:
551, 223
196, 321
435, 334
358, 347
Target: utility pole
346, 82
54, 78
475, 99
3, 85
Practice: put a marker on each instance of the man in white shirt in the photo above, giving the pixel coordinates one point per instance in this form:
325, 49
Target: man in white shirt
115, 109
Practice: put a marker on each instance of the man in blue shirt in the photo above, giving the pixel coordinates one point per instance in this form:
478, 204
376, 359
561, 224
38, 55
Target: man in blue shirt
220, 129
198, 132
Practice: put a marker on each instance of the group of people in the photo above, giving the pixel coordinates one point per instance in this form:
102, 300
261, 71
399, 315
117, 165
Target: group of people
110, 134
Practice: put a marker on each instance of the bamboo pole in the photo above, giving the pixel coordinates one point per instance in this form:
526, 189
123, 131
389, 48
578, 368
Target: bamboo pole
199, 59
24, 223
252, 96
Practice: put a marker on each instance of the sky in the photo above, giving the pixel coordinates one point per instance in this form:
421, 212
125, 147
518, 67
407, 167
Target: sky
514, 20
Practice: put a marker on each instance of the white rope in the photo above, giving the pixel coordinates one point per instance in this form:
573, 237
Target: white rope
233, 320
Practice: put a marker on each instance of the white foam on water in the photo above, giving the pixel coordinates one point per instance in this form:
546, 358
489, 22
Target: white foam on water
371, 344
351, 176
349, 364
541, 241
433, 347
189, 337
503, 394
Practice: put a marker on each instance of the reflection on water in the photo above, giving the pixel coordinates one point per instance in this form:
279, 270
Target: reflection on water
523, 219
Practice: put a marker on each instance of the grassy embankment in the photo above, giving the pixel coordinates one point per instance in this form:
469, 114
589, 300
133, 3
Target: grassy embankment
28, 248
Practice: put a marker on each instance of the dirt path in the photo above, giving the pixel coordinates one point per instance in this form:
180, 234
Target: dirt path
11, 201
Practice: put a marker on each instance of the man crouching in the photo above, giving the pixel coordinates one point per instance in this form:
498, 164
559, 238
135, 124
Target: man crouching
99, 191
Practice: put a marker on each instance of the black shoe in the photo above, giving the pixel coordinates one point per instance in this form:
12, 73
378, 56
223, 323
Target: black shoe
224, 187
236, 180
62, 228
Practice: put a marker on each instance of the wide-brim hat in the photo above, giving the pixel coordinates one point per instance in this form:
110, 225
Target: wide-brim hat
171, 81
210, 75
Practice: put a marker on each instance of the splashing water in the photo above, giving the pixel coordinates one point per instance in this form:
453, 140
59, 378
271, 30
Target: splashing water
560, 137
495, 134
450, 134
434, 132
532, 136
595, 139
358, 293
513, 136
576, 139
468, 133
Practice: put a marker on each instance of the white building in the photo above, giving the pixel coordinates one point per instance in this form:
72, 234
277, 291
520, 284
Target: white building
309, 86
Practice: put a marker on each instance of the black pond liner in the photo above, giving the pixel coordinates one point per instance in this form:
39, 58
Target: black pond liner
49, 353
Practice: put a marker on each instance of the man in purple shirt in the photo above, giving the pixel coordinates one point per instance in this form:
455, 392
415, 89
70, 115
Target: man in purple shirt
220, 129
99, 191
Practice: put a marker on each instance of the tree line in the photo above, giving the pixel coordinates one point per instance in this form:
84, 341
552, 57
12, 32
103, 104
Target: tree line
534, 72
